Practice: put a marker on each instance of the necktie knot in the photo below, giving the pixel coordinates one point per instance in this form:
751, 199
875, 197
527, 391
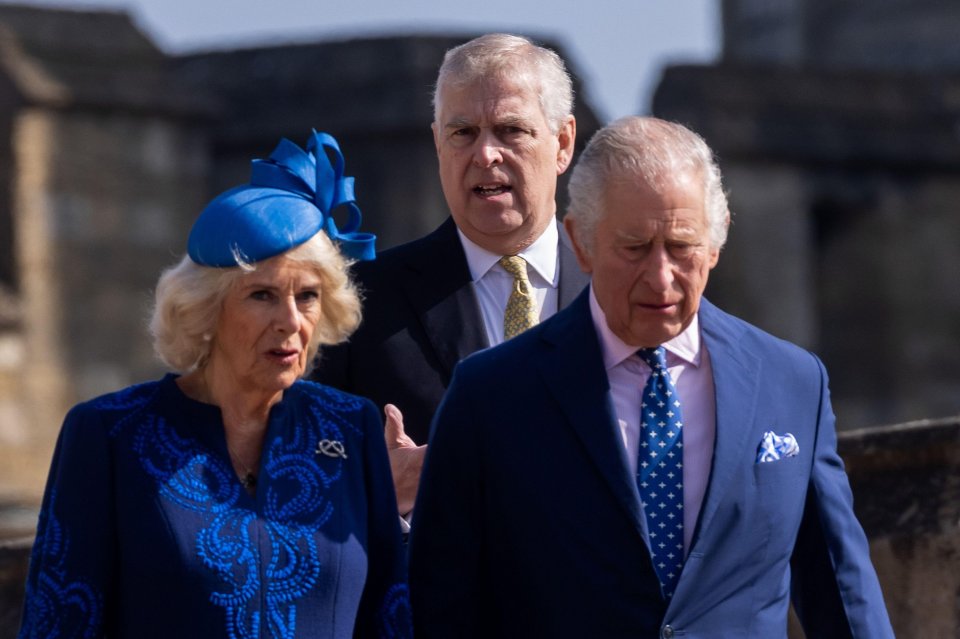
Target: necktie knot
515, 266
656, 358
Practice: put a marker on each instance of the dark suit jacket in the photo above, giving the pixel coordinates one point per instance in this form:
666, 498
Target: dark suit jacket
529, 524
420, 317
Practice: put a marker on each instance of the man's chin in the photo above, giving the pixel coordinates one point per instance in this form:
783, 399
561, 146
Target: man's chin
494, 218
501, 229
649, 335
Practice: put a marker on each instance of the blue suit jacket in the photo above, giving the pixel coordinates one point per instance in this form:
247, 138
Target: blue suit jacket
529, 524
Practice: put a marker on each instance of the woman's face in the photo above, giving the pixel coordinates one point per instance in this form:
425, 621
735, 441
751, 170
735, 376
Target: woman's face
265, 327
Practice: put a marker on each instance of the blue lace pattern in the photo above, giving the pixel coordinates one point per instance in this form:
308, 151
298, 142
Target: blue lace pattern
189, 476
54, 598
396, 618
258, 585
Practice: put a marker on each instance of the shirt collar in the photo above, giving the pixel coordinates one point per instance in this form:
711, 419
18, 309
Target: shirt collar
541, 256
685, 346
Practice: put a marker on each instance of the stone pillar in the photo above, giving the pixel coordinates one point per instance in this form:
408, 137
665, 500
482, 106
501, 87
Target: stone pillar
35, 370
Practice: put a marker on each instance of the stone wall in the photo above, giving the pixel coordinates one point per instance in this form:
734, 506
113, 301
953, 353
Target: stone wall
849, 34
906, 479
101, 201
906, 487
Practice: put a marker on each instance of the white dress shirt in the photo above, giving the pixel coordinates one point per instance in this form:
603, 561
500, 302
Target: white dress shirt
493, 284
689, 366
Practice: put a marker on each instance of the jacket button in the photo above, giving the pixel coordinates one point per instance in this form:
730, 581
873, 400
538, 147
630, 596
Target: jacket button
666, 632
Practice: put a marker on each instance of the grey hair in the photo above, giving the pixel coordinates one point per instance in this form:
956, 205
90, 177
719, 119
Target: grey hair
189, 298
652, 150
501, 55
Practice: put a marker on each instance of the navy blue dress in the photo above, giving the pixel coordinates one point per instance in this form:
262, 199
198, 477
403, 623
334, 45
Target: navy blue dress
145, 530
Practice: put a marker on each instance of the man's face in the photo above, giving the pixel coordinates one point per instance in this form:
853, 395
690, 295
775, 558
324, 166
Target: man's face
650, 258
499, 162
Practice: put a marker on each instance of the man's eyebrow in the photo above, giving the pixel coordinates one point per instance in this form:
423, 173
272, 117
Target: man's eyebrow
628, 236
507, 120
458, 123
518, 121
679, 235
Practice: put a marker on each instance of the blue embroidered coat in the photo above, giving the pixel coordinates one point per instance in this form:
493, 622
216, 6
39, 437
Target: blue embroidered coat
145, 530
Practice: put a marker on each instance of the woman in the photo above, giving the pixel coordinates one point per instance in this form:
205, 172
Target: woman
232, 500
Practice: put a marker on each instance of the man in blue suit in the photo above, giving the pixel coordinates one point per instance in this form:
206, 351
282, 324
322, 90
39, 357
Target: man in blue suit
642, 464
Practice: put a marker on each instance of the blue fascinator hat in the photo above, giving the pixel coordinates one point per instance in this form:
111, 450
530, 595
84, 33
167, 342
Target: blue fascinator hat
289, 199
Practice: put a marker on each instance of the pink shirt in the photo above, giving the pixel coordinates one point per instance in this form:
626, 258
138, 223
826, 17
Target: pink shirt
689, 366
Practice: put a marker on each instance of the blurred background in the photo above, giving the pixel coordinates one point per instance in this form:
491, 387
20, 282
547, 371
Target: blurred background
836, 124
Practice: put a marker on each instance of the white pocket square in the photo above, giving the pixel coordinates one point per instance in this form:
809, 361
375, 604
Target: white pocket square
774, 447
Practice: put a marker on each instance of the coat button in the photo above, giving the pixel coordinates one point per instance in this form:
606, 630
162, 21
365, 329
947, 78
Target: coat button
666, 632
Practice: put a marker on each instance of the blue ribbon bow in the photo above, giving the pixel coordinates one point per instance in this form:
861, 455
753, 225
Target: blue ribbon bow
290, 197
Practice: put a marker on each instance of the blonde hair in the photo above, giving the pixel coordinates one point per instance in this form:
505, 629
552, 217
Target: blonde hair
189, 298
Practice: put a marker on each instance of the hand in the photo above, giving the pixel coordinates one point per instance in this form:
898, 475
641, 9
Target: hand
406, 459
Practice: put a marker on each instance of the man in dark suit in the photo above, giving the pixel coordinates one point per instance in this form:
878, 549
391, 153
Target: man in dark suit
642, 464
504, 131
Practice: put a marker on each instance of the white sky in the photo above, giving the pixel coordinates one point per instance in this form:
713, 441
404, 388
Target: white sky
618, 47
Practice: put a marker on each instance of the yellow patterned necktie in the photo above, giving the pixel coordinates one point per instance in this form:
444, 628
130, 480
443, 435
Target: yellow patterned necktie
521, 312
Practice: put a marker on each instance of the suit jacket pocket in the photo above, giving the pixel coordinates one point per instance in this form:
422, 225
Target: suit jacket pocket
786, 470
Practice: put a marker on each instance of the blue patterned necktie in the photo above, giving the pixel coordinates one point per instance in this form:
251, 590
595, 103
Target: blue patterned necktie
660, 469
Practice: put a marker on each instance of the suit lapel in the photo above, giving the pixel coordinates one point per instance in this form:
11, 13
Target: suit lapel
572, 368
736, 379
440, 292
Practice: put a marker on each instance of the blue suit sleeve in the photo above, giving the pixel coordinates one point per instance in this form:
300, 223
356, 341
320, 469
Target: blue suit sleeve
69, 585
835, 588
385, 605
446, 544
